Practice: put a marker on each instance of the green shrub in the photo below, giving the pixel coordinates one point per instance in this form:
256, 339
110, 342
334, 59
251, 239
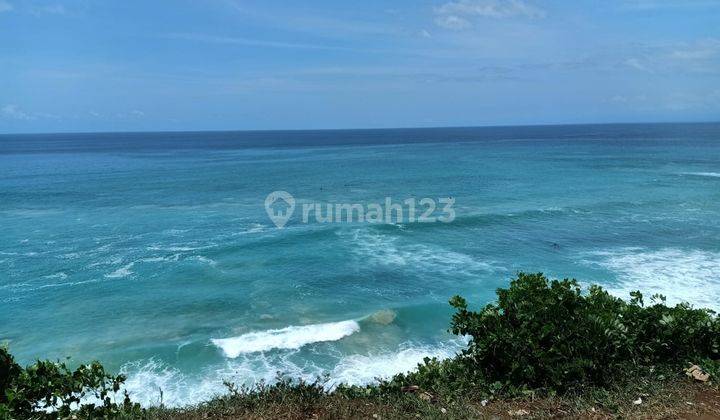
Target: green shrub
543, 335
547, 334
298, 392
50, 389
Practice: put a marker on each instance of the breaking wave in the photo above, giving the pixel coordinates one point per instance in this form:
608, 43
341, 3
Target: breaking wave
152, 382
293, 337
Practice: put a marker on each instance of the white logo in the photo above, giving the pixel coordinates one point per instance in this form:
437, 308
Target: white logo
279, 206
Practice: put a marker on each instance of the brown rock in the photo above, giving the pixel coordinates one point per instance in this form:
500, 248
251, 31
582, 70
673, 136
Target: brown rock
697, 373
426, 396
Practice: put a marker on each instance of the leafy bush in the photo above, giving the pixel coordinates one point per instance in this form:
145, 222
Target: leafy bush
51, 389
543, 334
299, 393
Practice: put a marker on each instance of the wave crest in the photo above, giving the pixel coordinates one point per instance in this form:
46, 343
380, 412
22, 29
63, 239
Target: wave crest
293, 337
703, 174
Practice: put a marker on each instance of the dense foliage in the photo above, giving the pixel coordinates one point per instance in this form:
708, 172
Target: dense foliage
547, 335
51, 389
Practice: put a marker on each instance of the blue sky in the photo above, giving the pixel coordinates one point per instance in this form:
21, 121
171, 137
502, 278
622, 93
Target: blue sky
95, 65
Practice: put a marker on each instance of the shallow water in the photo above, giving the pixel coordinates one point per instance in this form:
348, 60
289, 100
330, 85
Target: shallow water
153, 252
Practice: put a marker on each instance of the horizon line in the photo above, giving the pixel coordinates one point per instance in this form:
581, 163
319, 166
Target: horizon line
360, 129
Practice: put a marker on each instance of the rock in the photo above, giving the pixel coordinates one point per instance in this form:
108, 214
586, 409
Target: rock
383, 317
484, 403
426, 396
518, 413
638, 401
443, 410
697, 373
410, 388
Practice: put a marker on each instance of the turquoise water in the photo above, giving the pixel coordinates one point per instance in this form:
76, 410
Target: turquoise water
154, 254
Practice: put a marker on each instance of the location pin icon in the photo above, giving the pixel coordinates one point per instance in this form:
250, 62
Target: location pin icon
279, 206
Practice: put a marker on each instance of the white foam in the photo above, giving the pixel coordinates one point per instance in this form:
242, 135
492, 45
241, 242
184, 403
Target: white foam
146, 378
152, 383
178, 248
293, 337
175, 232
252, 228
680, 275
204, 260
107, 261
121, 272
70, 256
59, 275
15, 286
51, 285
707, 174
360, 369
386, 250
170, 258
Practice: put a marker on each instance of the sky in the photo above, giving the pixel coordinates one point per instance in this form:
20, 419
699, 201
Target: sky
101, 65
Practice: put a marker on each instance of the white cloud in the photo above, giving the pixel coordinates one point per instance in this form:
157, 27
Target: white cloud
636, 63
452, 22
134, 113
458, 14
13, 112
5, 6
251, 42
52, 9
681, 101
705, 49
629, 99
669, 101
646, 5
700, 56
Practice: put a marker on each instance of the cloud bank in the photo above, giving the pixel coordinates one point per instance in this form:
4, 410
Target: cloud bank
460, 14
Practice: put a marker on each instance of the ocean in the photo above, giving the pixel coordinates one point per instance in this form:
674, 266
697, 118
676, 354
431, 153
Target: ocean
153, 252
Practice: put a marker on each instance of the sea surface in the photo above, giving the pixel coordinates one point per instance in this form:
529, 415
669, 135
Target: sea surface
153, 252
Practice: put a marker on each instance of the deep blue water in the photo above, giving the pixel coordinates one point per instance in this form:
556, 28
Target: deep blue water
140, 249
